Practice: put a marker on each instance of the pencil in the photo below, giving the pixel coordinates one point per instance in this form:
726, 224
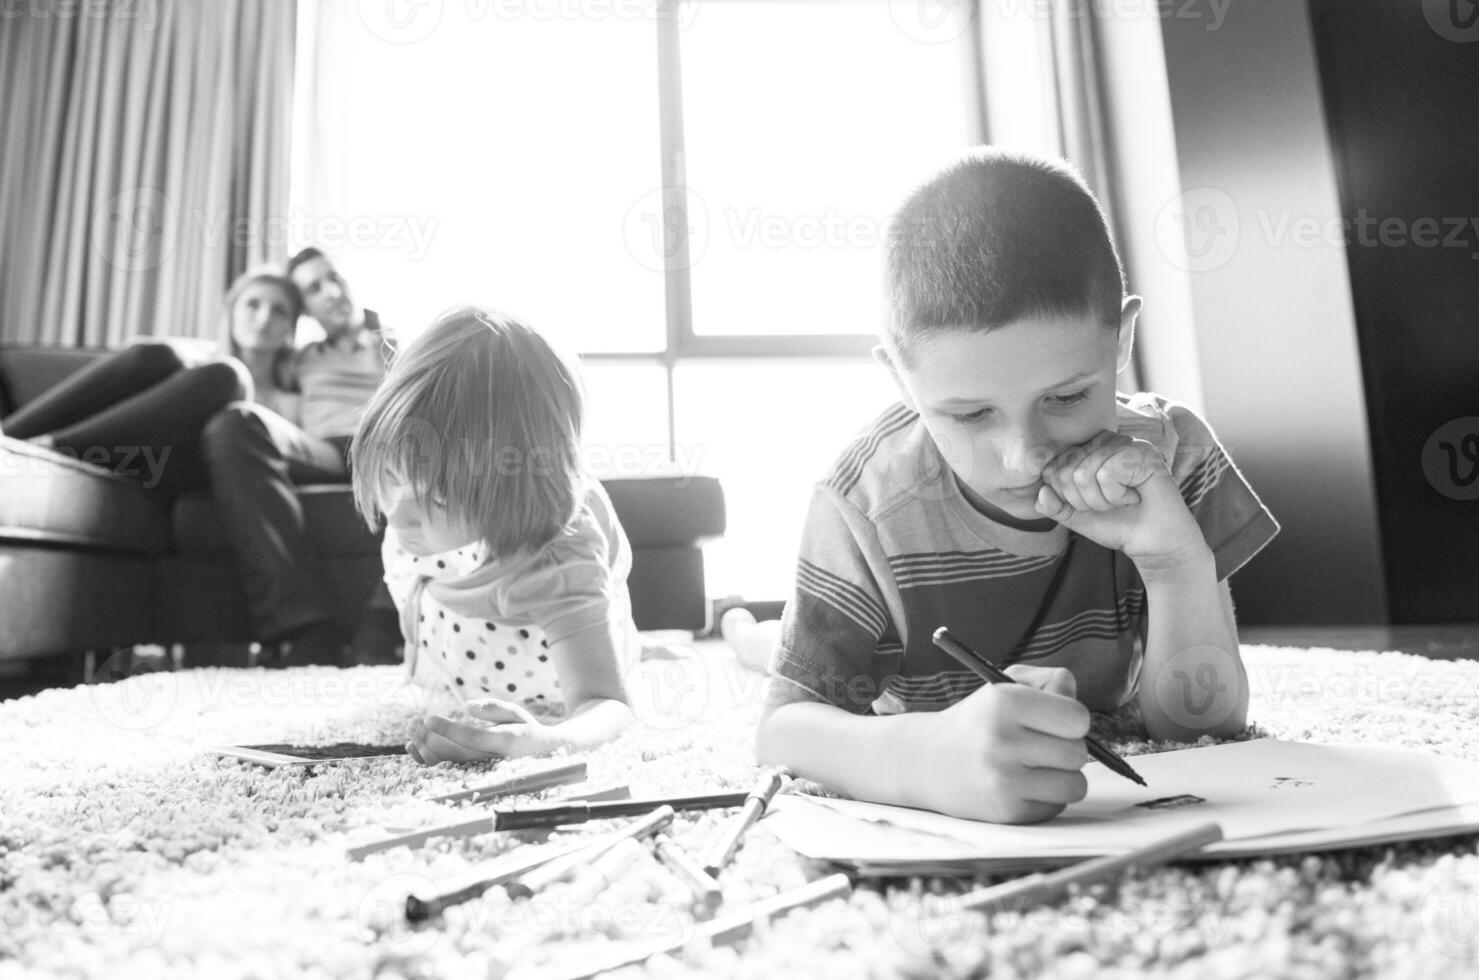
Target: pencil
1038, 889
496, 872
755, 804
992, 674
564, 867
547, 817
699, 881
560, 775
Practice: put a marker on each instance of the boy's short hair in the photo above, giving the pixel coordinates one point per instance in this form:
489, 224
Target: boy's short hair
994, 237
482, 414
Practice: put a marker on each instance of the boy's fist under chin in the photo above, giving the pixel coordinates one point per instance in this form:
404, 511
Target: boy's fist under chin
1010, 753
1117, 492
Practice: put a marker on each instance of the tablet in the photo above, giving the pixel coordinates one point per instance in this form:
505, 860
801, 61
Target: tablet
285, 754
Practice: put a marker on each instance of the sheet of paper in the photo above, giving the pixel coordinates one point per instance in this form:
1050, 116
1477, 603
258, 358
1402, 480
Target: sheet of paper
1254, 789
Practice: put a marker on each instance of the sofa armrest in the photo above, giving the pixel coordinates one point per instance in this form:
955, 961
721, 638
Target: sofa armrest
26, 371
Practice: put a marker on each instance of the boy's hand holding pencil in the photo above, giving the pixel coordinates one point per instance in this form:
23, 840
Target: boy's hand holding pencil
1117, 492
1008, 753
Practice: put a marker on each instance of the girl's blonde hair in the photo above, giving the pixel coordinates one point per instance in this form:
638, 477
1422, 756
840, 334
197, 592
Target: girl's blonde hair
481, 415
272, 275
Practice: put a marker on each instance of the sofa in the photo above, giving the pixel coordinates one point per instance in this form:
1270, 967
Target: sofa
91, 561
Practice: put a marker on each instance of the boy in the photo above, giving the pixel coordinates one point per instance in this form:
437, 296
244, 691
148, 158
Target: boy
1080, 536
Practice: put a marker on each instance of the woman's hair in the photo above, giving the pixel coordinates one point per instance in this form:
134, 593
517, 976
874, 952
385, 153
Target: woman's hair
274, 276
482, 415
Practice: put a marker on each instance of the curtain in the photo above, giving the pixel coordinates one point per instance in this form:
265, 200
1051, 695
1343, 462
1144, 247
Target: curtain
1087, 81
143, 163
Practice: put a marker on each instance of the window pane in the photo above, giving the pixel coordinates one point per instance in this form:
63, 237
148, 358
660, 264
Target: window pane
626, 419
505, 149
804, 124
769, 431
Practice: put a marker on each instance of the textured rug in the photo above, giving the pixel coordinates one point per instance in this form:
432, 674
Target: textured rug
125, 851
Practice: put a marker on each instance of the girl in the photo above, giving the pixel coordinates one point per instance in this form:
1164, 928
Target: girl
152, 399
504, 557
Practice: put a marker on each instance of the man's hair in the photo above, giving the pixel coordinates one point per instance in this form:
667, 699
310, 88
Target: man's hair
994, 237
304, 255
482, 415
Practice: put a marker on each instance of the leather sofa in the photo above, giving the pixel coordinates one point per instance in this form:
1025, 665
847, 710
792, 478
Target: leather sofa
92, 561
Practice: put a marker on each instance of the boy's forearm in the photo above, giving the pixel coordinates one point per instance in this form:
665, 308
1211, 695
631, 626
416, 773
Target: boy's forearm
1193, 682
864, 756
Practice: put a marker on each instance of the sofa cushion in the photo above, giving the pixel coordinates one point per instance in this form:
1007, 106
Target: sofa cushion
332, 526
51, 499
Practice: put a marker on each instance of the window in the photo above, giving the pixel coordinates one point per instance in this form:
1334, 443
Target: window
693, 195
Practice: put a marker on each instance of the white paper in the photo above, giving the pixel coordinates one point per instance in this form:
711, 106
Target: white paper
1256, 790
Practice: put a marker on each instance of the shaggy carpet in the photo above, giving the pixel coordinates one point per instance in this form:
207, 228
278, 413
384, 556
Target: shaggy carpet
126, 851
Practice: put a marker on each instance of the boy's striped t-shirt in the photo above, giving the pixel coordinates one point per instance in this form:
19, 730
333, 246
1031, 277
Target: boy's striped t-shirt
892, 550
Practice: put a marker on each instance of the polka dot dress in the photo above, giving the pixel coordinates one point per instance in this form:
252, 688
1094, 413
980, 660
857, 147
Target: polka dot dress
470, 658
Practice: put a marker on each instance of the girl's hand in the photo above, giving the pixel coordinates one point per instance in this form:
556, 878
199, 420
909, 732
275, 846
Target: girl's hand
513, 731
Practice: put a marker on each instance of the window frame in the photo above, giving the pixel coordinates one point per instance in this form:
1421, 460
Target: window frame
683, 343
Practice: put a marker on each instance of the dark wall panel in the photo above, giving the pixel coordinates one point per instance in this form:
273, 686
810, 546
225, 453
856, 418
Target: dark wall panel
1400, 80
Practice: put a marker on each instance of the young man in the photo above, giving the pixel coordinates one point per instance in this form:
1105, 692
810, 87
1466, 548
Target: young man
256, 457
1082, 537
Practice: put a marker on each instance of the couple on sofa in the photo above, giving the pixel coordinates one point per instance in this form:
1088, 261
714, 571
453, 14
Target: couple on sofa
248, 426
